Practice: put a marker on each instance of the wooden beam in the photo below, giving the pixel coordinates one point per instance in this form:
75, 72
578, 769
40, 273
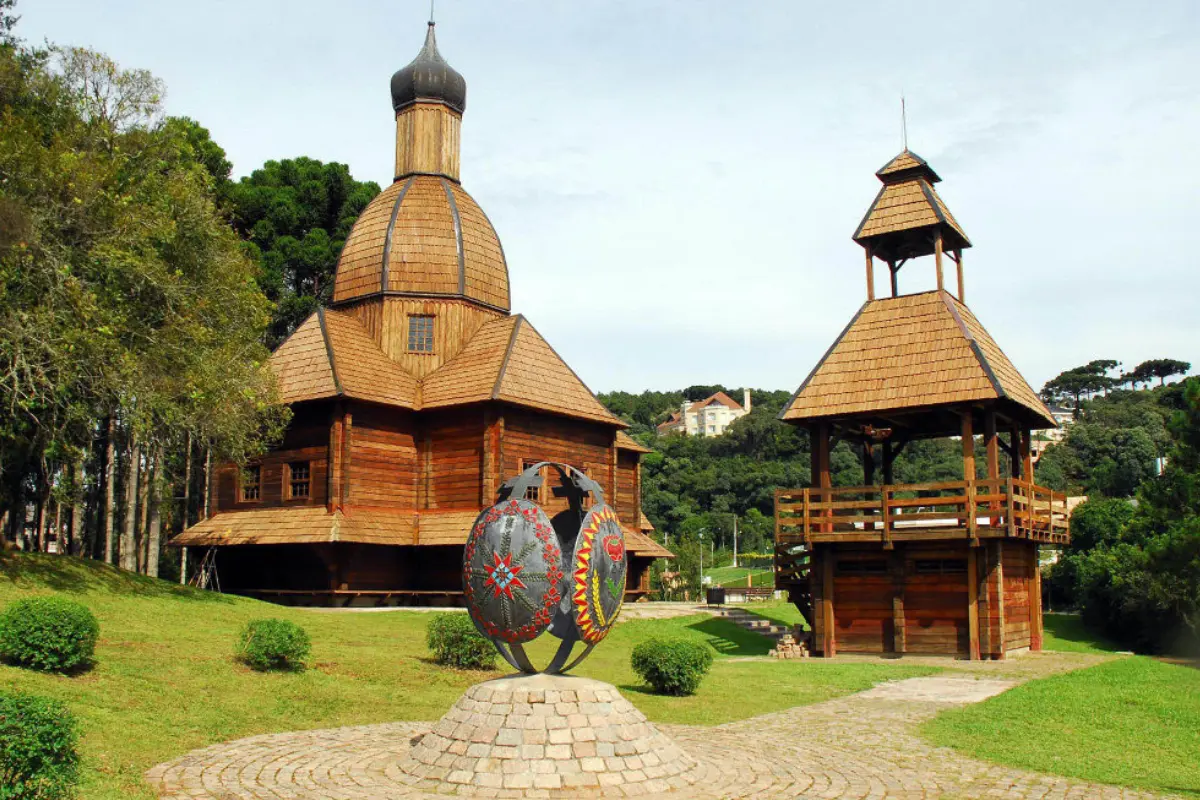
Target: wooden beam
973, 603
870, 274
888, 458
937, 258
992, 443
896, 568
488, 483
892, 268
1026, 453
1035, 602
962, 292
998, 546
333, 471
829, 644
347, 443
868, 460
968, 447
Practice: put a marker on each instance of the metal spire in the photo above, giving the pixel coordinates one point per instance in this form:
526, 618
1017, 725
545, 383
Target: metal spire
903, 123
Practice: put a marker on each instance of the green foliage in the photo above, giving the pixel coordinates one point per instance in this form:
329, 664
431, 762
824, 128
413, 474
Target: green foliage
273, 645
37, 748
296, 215
672, 666
1135, 572
50, 634
455, 643
1161, 368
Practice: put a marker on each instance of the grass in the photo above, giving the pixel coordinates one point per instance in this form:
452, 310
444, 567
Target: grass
1066, 633
736, 576
1131, 721
166, 682
781, 612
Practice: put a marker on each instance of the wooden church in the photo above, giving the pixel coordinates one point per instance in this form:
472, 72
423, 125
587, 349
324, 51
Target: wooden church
948, 567
414, 396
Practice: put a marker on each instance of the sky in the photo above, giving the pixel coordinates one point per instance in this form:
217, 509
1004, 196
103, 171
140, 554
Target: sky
675, 182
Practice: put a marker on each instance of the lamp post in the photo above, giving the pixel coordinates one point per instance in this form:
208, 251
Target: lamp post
700, 535
735, 520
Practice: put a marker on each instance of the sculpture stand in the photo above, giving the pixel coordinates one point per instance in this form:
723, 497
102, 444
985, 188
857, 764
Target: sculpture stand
566, 736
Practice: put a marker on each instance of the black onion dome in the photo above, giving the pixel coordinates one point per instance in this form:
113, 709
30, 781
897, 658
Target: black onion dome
429, 78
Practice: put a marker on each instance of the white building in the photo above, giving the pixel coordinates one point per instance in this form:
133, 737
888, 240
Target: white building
707, 417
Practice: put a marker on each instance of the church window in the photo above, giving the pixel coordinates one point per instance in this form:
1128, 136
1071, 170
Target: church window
249, 480
420, 333
298, 481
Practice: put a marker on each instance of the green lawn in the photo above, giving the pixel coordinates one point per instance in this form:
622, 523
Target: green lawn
165, 682
736, 576
1131, 721
781, 612
1067, 634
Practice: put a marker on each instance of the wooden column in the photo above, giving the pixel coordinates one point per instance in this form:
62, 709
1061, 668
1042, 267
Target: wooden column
937, 258
347, 439
612, 473
828, 637
888, 459
984, 604
821, 478
896, 569
998, 547
973, 603
991, 441
870, 275
1035, 602
968, 447
892, 272
962, 292
333, 471
1026, 451
488, 485
868, 460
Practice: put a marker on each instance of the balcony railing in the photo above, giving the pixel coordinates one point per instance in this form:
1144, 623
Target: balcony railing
1005, 507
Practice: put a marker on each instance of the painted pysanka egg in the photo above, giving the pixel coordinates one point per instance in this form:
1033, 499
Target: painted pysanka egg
598, 577
512, 571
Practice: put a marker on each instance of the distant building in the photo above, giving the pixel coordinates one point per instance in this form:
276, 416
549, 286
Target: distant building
707, 417
1065, 417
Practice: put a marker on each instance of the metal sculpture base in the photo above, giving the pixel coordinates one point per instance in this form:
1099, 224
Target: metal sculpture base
557, 735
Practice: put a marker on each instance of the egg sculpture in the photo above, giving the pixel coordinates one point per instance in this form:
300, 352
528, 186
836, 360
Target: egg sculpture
525, 573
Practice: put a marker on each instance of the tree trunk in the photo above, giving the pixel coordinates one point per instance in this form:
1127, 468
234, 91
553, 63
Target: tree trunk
19, 515
187, 508
39, 517
128, 535
144, 510
60, 542
77, 510
207, 482
109, 512
154, 532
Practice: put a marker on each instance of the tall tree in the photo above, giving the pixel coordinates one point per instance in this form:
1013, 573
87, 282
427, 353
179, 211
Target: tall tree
296, 214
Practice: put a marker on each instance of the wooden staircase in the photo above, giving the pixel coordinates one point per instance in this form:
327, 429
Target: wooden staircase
751, 622
793, 573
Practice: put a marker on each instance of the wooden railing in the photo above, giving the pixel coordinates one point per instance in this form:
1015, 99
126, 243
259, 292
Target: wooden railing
955, 509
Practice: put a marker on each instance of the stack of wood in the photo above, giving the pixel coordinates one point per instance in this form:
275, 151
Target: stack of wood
789, 647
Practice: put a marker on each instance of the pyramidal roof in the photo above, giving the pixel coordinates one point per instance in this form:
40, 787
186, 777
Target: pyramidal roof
909, 352
333, 354
907, 209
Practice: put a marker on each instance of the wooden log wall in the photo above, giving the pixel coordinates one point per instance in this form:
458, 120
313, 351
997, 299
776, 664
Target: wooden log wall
530, 437
935, 604
626, 499
383, 467
1019, 570
452, 472
306, 439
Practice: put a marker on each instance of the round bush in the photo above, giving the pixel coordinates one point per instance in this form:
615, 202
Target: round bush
37, 749
51, 634
672, 666
455, 643
273, 644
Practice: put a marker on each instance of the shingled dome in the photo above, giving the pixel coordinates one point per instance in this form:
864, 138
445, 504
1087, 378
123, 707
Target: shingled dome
423, 236
429, 79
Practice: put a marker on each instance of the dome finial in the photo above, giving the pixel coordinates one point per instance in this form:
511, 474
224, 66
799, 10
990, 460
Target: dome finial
428, 78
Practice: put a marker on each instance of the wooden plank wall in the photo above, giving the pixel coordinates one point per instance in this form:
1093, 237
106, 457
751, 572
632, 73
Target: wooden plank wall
454, 323
935, 606
862, 602
991, 600
453, 442
626, 500
1018, 581
383, 458
428, 136
306, 439
533, 437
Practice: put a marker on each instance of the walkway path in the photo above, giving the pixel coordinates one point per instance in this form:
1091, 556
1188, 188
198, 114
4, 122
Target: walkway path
864, 746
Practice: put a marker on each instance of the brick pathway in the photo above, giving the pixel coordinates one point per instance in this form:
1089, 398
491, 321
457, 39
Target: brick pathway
864, 746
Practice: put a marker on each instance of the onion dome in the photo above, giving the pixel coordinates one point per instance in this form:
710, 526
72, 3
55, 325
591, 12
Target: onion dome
423, 236
429, 79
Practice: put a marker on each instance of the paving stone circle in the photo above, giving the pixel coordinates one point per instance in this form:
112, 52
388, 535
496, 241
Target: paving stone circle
864, 746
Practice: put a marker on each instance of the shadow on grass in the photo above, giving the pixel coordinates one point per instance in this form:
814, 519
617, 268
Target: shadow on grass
730, 640
72, 575
1070, 628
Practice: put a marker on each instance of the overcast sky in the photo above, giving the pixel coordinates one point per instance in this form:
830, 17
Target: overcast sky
675, 182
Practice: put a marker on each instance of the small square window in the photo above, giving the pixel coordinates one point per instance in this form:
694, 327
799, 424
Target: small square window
250, 477
420, 333
298, 479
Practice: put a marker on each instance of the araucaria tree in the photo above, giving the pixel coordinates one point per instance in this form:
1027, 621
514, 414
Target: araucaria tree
131, 321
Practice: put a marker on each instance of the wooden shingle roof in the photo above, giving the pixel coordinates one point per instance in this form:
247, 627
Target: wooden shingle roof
627, 442
298, 525
907, 162
508, 360
906, 206
332, 354
910, 352
423, 236
640, 544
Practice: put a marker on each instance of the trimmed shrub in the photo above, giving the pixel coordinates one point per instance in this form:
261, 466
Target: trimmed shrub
37, 748
273, 644
51, 634
455, 643
672, 666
